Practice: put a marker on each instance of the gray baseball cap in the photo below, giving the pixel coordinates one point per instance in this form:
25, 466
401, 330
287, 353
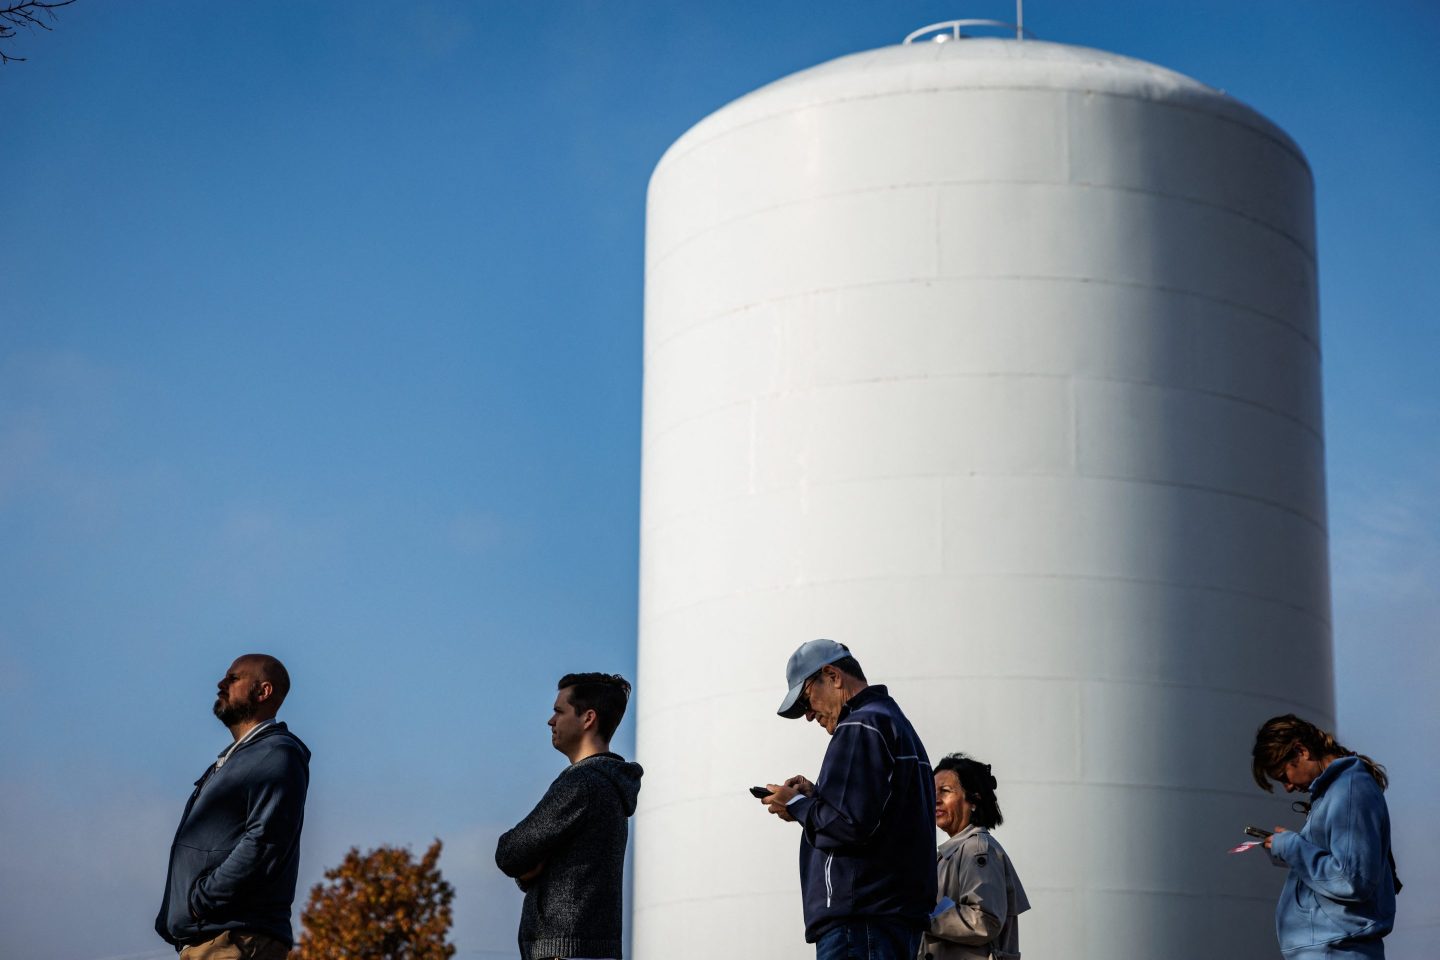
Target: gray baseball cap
808, 659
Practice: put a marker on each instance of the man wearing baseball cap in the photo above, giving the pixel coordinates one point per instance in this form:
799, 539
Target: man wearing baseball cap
867, 856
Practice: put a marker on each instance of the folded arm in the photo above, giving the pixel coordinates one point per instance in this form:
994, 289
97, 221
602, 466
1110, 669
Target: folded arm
523, 850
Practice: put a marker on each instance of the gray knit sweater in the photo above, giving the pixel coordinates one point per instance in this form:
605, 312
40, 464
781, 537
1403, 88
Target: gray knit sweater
578, 830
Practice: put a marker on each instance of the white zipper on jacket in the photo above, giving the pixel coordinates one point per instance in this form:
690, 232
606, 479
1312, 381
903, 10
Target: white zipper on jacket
829, 889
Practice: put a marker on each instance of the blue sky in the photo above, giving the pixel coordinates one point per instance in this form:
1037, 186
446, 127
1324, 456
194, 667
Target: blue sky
320, 334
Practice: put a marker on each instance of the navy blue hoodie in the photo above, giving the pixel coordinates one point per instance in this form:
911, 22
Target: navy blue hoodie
236, 854
869, 847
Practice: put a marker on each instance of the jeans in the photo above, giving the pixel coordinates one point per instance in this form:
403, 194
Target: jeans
868, 940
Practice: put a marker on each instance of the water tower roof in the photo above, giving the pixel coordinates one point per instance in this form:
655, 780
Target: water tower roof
977, 64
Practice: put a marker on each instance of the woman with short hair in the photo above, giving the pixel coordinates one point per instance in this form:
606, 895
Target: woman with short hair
1339, 899
980, 896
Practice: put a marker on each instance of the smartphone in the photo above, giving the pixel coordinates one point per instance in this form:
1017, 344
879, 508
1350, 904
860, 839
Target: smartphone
1257, 833
760, 792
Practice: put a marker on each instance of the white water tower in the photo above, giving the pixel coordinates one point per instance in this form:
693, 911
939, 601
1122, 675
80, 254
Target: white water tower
998, 361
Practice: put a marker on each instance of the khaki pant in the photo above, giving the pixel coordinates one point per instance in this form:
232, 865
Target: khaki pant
237, 945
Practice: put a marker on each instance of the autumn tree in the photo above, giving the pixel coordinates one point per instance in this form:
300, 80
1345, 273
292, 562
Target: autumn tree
380, 905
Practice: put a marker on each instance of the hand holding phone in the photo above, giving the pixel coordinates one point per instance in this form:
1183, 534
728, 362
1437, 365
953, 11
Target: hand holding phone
760, 793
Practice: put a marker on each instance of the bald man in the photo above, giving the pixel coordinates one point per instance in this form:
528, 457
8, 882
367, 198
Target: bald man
236, 853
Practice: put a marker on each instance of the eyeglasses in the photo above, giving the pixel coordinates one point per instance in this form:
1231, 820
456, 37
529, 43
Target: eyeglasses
804, 700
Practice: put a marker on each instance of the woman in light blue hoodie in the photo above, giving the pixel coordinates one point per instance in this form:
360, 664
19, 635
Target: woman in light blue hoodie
1339, 899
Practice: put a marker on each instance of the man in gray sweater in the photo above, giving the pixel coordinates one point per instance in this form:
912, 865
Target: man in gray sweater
568, 854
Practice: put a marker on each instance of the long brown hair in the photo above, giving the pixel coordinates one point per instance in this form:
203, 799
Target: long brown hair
1280, 738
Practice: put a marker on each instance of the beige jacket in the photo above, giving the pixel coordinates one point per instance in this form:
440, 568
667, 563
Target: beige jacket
977, 876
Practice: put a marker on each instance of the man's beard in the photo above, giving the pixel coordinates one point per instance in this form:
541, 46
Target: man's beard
231, 713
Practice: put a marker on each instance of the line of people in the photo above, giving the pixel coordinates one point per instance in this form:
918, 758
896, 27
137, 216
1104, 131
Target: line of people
873, 891
873, 884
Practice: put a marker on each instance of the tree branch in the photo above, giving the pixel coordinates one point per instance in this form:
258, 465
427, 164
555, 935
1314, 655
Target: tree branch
28, 14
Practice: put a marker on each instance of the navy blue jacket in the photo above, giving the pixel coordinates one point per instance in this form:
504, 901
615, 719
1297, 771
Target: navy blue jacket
236, 853
869, 846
